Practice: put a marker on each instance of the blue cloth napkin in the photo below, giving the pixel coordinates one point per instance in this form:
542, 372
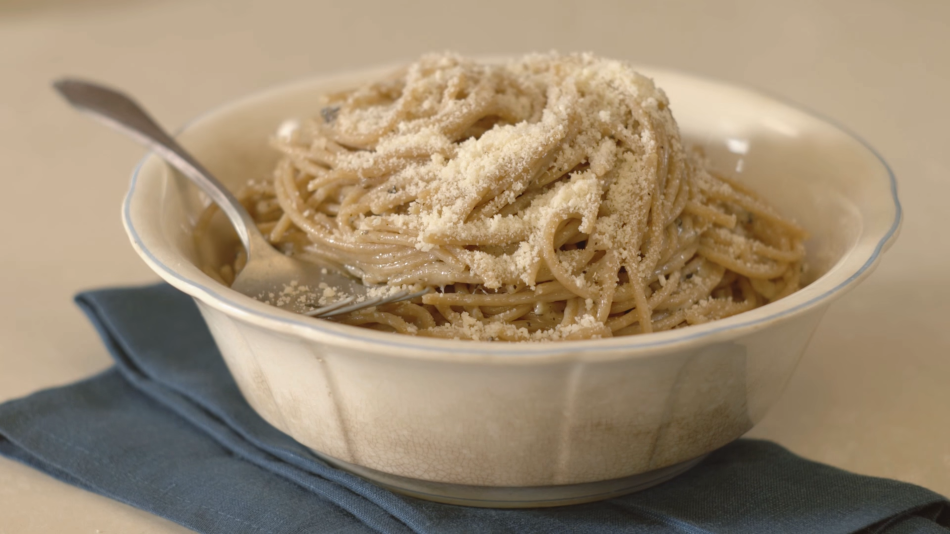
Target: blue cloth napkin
166, 430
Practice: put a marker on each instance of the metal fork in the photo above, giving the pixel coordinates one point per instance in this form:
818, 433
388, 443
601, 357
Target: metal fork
268, 272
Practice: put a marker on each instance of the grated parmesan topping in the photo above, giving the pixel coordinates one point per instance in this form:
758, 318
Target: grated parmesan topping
552, 177
584, 96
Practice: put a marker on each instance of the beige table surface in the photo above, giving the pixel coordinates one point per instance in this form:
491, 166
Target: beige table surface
871, 394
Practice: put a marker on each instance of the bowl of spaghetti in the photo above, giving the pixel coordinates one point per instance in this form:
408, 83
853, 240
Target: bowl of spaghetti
622, 277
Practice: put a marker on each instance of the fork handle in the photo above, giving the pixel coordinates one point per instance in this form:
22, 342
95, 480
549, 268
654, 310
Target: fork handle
125, 115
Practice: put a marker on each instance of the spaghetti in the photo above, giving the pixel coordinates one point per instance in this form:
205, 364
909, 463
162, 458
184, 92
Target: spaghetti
548, 198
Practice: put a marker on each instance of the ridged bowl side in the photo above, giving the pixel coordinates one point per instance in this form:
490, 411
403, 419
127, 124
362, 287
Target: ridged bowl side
536, 424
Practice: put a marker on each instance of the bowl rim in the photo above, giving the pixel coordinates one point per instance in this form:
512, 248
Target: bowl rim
243, 307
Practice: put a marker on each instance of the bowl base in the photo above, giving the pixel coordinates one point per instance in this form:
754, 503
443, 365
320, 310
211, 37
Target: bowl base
515, 497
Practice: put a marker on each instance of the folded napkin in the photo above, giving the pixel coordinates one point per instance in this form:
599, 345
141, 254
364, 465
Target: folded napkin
166, 430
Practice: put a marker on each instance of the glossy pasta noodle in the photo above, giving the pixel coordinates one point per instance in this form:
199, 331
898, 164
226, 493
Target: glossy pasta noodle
548, 198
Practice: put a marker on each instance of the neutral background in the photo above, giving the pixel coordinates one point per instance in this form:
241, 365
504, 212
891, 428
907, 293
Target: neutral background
871, 394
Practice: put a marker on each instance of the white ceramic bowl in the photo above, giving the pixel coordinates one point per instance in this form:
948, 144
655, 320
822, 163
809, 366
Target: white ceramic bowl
489, 424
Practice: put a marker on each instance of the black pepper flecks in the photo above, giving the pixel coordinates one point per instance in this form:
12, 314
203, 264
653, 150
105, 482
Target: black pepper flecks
329, 113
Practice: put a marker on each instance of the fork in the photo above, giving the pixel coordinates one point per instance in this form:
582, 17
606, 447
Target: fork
268, 272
